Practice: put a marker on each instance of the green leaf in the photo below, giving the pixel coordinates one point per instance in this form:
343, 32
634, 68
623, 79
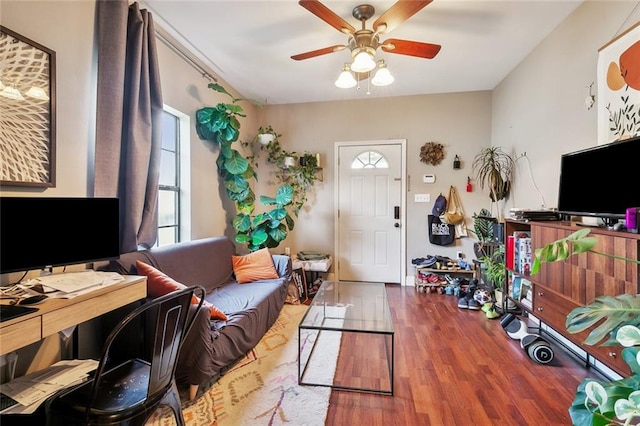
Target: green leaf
241, 222
236, 164
284, 195
278, 233
608, 312
236, 183
258, 237
267, 201
278, 214
628, 335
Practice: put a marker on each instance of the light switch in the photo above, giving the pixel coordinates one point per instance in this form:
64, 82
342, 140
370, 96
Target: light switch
422, 198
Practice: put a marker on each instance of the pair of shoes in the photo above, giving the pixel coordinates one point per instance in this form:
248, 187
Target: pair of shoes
490, 310
472, 304
463, 303
424, 261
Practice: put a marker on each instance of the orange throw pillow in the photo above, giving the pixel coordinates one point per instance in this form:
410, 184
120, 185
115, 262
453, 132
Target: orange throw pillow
254, 266
159, 284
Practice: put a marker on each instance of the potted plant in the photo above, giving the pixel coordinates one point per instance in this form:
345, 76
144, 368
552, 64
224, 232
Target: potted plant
493, 269
494, 170
220, 124
267, 135
300, 172
602, 402
483, 228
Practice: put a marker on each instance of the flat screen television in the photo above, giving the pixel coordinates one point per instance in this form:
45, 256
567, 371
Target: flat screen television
602, 181
42, 232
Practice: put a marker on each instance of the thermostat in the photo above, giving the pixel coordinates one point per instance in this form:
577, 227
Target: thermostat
430, 178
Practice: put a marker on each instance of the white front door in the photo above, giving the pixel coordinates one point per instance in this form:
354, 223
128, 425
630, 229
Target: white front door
370, 234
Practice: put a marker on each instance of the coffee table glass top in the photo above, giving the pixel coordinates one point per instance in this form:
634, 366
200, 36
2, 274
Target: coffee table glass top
349, 306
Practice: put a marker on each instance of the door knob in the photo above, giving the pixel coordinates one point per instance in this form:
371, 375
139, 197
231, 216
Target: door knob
397, 225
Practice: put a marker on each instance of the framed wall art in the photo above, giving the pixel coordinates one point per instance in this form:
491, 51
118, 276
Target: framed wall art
619, 87
27, 112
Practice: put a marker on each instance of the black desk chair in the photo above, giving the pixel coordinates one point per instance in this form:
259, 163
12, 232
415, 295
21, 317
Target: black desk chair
129, 392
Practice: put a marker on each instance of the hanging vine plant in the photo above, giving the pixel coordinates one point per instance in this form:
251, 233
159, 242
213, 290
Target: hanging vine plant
220, 124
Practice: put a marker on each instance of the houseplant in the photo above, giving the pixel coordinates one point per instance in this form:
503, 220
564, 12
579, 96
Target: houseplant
299, 171
494, 170
616, 319
220, 124
483, 228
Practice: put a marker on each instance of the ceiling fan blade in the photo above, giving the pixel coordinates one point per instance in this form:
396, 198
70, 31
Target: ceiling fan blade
327, 15
314, 53
411, 48
397, 14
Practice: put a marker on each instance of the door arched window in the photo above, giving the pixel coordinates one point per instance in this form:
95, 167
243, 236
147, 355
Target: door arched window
370, 160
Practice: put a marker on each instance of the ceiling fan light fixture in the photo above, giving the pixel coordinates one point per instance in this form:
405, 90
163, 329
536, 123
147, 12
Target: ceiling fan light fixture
345, 80
382, 76
363, 60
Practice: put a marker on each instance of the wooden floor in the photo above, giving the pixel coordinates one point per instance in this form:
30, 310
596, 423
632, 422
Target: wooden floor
453, 367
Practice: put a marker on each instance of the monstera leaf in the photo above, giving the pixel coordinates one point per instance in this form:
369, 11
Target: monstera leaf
611, 312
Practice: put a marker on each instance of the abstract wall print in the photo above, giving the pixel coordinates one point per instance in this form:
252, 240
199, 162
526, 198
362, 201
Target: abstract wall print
27, 112
619, 87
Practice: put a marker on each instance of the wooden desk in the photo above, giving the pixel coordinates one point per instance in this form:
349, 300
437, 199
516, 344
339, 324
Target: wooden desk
54, 315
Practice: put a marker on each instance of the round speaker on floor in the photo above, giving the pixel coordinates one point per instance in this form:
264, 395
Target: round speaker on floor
537, 348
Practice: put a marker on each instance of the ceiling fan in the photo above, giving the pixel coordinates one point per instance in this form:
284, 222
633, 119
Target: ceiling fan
366, 41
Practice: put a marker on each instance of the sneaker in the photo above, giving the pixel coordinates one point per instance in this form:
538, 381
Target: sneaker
472, 304
492, 313
463, 303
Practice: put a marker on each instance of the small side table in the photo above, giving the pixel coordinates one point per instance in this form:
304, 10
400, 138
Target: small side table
314, 268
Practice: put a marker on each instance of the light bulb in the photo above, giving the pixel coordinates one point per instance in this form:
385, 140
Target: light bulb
363, 61
345, 80
383, 76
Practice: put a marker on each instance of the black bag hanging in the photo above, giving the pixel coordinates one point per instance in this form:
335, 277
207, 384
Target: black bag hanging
440, 233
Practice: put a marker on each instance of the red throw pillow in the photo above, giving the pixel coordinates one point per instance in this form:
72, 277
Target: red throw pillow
159, 284
254, 266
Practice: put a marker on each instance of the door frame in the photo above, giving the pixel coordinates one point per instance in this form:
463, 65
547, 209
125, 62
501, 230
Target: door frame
403, 199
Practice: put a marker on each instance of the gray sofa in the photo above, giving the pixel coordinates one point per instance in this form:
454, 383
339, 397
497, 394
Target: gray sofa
212, 346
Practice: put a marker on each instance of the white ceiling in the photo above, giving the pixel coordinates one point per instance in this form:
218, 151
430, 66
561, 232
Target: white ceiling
249, 44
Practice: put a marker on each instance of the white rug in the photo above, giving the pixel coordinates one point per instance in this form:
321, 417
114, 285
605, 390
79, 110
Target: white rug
262, 389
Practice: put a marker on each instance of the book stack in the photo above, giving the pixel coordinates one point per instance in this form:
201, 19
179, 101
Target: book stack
518, 252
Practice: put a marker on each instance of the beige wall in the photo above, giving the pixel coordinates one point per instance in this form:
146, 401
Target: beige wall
537, 109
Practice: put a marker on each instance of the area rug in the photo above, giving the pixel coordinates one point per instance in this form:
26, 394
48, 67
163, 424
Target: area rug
262, 388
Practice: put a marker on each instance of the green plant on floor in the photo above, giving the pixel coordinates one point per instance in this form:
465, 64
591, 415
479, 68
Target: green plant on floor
220, 124
483, 227
494, 268
616, 319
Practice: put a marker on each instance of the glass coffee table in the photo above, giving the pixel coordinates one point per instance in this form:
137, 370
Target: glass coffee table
356, 311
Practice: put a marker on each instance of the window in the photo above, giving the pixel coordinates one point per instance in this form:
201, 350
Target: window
173, 205
370, 160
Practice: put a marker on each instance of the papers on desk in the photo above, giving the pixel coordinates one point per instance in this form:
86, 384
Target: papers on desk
72, 284
33, 389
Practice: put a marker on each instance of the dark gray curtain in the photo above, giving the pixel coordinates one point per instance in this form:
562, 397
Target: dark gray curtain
129, 119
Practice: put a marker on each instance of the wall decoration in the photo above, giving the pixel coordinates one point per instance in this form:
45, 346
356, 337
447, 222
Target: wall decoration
432, 153
27, 112
619, 87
